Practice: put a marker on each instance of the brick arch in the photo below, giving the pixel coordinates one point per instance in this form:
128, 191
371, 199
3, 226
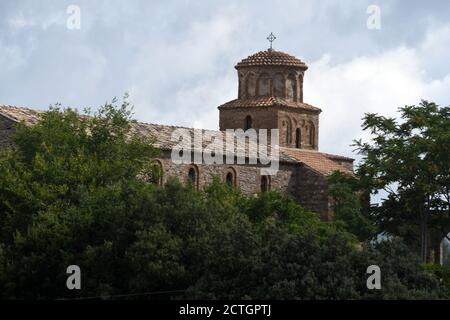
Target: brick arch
279, 85
291, 87
241, 89
250, 85
265, 183
311, 134
193, 175
287, 130
300, 87
263, 84
231, 171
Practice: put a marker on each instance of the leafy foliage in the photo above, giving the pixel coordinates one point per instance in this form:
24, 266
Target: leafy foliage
350, 205
409, 160
71, 192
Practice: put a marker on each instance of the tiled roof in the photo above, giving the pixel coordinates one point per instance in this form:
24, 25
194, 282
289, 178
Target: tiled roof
267, 102
19, 114
271, 57
318, 161
163, 139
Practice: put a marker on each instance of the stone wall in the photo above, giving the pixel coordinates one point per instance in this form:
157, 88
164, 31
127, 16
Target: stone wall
312, 192
247, 177
287, 120
306, 186
262, 118
290, 120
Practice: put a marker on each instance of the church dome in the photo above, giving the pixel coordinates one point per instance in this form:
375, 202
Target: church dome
271, 57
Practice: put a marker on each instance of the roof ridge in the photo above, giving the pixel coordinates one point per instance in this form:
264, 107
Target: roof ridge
271, 58
328, 155
268, 101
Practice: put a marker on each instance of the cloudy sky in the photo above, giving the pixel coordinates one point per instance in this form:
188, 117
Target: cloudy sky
176, 58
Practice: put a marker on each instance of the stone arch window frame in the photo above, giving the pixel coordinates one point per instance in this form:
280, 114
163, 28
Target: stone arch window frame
288, 133
159, 163
265, 183
193, 168
298, 137
242, 90
248, 76
248, 122
233, 172
292, 77
300, 87
282, 82
259, 78
311, 134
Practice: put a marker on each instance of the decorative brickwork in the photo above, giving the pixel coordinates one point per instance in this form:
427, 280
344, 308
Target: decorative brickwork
271, 93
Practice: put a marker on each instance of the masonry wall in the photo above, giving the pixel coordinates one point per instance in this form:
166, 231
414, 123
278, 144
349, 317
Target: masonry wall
306, 186
312, 192
262, 118
248, 177
290, 120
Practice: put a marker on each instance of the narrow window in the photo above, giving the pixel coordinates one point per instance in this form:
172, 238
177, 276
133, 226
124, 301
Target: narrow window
291, 88
248, 122
312, 134
156, 174
193, 177
230, 179
288, 132
251, 85
263, 85
264, 184
298, 138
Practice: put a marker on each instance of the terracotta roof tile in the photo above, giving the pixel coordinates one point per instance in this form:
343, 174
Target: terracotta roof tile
267, 102
320, 162
271, 57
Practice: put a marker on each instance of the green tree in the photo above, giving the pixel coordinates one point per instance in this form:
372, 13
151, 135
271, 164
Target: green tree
408, 159
351, 206
73, 191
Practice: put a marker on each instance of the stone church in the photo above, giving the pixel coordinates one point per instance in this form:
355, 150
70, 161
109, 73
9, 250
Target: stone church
270, 96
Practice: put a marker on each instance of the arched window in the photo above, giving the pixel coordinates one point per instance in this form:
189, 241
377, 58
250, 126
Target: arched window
312, 134
298, 138
230, 179
265, 184
278, 85
153, 173
300, 88
193, 176
291, 88
241, 92
251, 85
248, 122
264, 85
288, 131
